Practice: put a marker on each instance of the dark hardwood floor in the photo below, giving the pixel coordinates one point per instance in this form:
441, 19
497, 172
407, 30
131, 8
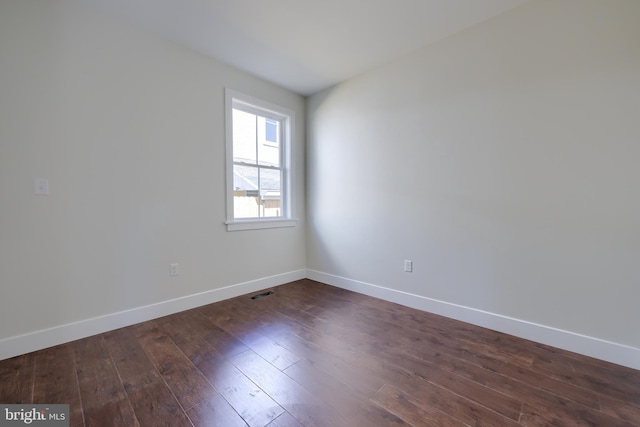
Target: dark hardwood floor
315, 355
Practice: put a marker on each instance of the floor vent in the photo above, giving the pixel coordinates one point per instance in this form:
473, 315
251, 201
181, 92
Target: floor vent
264, 294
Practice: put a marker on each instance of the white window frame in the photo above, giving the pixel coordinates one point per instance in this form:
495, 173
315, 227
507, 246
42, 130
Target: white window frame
235, 99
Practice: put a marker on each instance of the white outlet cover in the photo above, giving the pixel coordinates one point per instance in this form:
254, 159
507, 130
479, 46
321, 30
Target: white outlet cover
41, 187
174, 269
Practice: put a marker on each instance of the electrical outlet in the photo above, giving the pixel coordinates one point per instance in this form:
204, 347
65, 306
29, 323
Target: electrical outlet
41, 187
408, 265
174, 269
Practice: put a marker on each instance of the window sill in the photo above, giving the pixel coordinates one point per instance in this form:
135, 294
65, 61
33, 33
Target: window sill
256, 224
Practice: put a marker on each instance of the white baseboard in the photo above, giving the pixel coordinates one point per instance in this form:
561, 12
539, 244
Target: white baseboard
14, 346
582, 344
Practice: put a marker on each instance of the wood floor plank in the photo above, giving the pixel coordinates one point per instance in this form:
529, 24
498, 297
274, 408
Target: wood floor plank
619, 409
347, 401
503, 404
502, 376
17, 378
89, 350
218, 337
409, 409
97, 375
432, 397
619, 382
269, 350
317, 319
339, 348
572, 415
201, 353
186, 382
543, 401
191, 325
500, 346
533, 417
215, 411
251, 337
99, 384
113, 412
153, 402
300, 403
285, 420
235, 319
358, 377
127, 354
176, 326
255, 406
56, 381
515, 382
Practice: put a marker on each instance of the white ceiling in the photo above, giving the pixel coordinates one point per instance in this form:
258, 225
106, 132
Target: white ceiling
303, 45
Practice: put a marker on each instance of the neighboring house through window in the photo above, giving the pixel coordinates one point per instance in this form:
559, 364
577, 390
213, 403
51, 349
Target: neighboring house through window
258, 163
271, 130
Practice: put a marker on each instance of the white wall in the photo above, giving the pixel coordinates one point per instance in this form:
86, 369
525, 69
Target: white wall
504, 161
129, 130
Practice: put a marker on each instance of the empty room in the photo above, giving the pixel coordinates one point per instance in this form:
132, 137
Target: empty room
320, 213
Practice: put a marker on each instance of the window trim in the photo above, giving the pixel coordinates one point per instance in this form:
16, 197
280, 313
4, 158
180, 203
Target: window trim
272, 111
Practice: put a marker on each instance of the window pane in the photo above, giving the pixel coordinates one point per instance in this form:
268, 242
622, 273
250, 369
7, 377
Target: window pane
244, 137
271, 192
245, 206
245, 178
256, 192
246, 197
271, 130
268, 150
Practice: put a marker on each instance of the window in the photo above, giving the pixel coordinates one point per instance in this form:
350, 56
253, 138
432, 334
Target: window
258, 163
